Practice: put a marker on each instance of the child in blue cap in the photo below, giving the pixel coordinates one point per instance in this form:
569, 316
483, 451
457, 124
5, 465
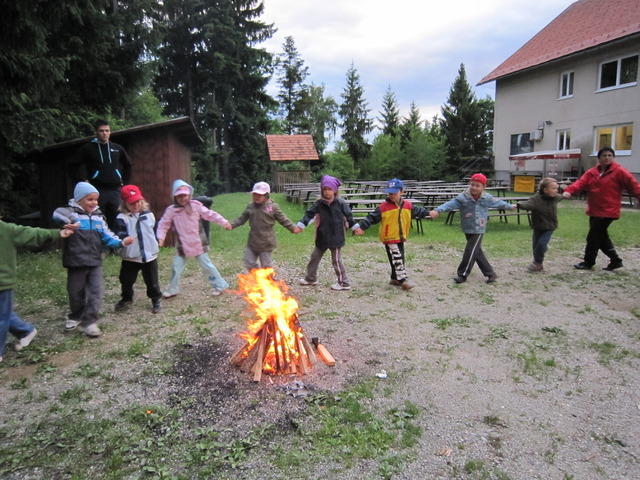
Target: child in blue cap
395, 213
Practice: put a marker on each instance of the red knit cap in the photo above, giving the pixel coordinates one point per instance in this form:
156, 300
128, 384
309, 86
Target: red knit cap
480, 178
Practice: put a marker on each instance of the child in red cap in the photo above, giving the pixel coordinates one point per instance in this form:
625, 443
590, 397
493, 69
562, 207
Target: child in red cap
474, 205
136, 220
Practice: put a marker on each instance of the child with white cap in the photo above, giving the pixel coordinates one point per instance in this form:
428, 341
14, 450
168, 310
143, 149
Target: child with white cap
82, 256
262, 214
183, 217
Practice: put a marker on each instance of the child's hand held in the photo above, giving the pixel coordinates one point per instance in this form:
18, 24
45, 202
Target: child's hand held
128, 241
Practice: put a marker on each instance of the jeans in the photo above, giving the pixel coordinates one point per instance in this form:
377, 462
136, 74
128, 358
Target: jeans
213, 275
10, 321
540, 241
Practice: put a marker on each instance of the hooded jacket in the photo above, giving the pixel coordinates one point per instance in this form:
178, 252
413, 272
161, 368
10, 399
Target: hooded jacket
262, 217
13, 237
474, 212
185, 222
396, 220
84, 247
104, 165
140, 226
544, 211
604, 187
330, 219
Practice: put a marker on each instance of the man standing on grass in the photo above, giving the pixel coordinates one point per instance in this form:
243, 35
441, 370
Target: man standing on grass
106, 166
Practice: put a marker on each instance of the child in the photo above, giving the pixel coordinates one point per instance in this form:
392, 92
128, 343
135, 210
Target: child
183, 217
262, 214
395, 213
82, 256
544, 219
330, 214
474, 205
137, 221
13, 237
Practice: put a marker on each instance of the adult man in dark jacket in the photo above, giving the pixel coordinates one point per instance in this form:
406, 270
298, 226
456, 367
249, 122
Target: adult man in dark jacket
106, 166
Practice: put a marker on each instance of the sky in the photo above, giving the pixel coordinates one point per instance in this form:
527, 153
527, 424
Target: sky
413, 46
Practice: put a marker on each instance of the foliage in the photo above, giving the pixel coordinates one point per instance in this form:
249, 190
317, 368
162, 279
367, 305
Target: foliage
356, 123
464, 125
339, 163
292, 74
390, 114
319, 115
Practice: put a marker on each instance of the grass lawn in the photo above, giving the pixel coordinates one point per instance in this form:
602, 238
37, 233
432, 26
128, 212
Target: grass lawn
154, 397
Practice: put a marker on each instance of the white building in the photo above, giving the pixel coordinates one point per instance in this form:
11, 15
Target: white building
570, 90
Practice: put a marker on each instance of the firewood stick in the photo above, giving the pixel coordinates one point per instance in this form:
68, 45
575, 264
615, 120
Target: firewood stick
274, 336
311, 355
257, 367
240, 354
325, 356
304, 366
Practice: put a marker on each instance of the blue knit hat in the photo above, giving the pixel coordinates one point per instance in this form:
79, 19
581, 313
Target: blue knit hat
82, 190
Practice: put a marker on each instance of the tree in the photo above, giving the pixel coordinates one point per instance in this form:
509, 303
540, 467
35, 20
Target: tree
319, 115
355, 118
210, 69
390, 114
292, 74
410, 124
462, 125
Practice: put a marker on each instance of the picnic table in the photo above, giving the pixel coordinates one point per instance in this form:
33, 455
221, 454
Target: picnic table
500, 213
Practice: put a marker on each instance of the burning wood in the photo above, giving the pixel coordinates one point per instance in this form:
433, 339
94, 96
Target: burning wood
275, 343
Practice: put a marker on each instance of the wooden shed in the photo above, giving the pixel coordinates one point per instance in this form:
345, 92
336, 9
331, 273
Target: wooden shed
160, 153
291, 148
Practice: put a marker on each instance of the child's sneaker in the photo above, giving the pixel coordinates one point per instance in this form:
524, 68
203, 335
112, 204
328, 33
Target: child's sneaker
535, 267
168, 294
216, 292
394, 282
407, 285
337, 286
304, 281
492, 278
70, 324
122, 305
90, 330
156, 306
26, 340
459, 279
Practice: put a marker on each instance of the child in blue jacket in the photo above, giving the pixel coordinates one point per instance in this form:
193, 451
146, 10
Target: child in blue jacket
474, 205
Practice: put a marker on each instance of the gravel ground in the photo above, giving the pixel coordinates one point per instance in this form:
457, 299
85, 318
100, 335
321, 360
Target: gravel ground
535, 375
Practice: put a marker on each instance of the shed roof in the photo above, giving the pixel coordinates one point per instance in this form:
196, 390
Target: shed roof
585, 24
181, 127
283, 148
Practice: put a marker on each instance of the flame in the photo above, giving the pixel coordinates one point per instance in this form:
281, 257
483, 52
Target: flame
269, 302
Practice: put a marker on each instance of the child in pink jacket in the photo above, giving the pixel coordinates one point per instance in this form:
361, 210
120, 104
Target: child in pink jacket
183, 217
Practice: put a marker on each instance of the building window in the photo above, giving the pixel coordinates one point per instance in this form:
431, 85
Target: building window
619, 73
521, 143
618, 137
564, 139
566, 85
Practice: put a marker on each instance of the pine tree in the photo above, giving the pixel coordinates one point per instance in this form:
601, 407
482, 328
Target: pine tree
411, 124
210, 69
292, 74
390, 114
355, 118
319, 115
462, 126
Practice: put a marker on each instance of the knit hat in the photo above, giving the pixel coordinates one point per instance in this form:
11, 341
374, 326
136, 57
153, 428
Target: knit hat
478, 177
330, 182
83, 189
394, 186
261, 188
131, 194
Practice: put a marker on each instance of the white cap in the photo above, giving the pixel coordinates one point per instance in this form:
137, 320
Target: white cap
261, 188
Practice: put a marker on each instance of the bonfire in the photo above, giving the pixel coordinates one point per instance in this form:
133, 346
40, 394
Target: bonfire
275, 343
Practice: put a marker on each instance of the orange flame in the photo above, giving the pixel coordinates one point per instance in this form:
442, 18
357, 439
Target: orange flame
269, 301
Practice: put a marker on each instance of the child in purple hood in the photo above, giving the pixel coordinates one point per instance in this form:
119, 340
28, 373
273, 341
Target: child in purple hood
331, 215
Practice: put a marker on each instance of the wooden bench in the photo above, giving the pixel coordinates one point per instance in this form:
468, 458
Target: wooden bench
501, 214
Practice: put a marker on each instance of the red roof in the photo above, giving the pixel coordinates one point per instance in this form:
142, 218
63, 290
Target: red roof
284, 148
583, 25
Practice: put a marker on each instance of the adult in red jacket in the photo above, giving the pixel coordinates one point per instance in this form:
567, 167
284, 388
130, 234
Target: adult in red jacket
604, 185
